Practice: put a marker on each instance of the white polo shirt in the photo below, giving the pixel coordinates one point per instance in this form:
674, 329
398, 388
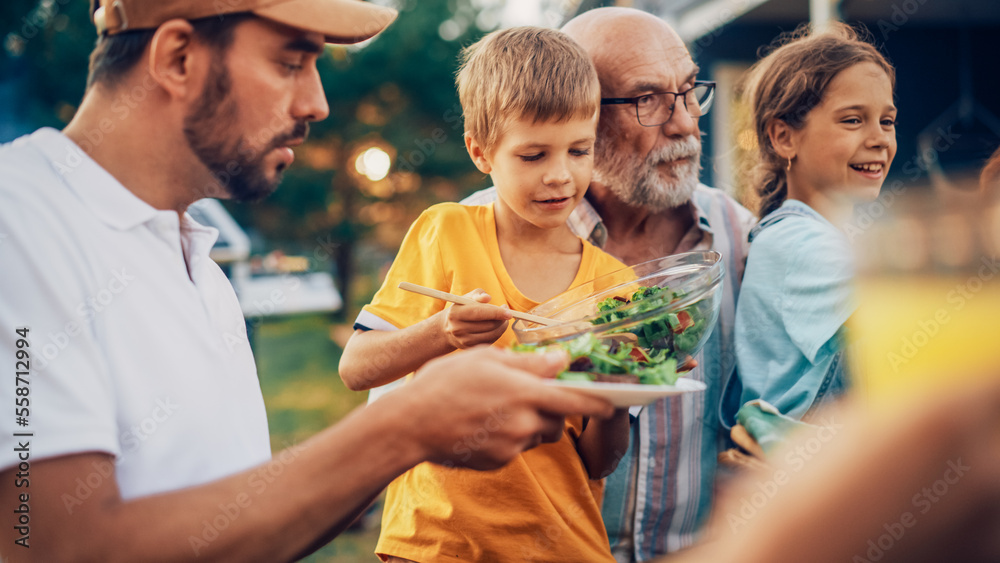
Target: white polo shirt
137, 346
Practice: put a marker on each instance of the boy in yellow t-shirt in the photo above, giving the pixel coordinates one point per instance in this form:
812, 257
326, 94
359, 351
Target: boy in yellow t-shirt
531, 99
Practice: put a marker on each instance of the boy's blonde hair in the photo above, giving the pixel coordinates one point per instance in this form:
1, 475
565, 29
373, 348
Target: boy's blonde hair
788, 83
524, 73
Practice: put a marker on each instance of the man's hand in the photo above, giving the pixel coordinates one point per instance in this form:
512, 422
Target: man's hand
465, 326
481, 408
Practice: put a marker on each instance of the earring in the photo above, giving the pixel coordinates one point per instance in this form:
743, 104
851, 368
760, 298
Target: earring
789, 167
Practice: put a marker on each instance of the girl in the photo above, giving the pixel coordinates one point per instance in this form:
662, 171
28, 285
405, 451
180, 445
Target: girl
825, 123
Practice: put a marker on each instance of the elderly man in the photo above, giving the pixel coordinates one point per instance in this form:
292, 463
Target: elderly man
141, 433
645, 202
647, 195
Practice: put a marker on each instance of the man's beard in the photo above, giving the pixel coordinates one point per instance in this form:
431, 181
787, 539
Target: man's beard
238, 168
638, 183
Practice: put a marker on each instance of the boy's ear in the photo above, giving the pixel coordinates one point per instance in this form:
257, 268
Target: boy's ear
477, 154
783, 138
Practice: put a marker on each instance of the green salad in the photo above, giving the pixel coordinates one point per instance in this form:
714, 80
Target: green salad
595, 359
648, 353
677, 332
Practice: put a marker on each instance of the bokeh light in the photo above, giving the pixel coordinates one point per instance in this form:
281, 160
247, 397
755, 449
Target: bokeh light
373, 163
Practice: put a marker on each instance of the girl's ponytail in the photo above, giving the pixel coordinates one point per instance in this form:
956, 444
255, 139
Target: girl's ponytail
772, 189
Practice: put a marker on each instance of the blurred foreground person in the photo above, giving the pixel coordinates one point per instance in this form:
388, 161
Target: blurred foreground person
913, 487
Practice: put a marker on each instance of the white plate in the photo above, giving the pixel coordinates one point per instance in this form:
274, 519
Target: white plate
631, 394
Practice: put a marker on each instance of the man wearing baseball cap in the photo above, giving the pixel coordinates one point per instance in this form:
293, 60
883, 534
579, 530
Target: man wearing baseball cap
140, 428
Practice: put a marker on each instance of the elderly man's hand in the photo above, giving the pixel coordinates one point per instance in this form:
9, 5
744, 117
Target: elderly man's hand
749, 455
481, 408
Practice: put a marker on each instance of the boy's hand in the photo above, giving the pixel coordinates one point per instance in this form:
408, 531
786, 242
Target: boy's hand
465, 326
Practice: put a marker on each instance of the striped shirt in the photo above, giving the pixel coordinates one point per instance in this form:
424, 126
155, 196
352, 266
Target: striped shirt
661, 494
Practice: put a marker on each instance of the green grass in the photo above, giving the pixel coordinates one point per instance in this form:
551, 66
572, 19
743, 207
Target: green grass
297, 365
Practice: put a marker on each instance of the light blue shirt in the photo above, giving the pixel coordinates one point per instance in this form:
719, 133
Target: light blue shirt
795, 299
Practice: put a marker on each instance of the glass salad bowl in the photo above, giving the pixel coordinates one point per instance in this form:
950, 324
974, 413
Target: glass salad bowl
665, 307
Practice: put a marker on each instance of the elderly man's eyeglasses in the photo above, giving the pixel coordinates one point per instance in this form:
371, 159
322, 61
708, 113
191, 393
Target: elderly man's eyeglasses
655, 109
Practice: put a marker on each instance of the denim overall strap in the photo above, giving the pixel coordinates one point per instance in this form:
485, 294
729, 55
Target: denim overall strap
835, 383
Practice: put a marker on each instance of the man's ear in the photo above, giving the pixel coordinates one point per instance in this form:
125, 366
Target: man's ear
477, 154
783, 138
172, 59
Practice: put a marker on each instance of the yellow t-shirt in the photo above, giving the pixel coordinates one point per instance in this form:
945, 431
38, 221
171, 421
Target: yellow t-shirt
540, 507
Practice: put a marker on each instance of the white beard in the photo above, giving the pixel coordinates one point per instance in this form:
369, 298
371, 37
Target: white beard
639, 183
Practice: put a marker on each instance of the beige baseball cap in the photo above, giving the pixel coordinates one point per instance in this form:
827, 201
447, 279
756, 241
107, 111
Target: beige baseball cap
341, 21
